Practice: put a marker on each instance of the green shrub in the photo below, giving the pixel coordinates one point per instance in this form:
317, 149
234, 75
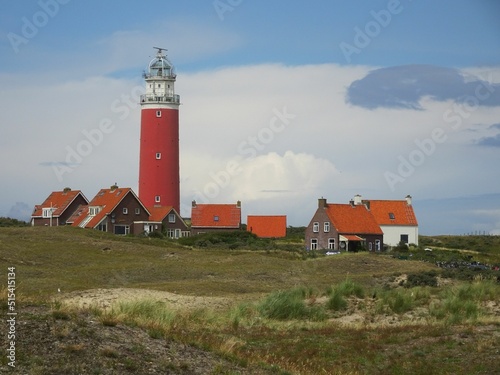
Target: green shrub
289, 304
336, 301
422, 279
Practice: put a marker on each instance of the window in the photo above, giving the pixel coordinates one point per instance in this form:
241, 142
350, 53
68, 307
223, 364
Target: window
314, 244
377, 245
316, 227
331, 243
158, 113
370, 246
216, 218
171, 233
157, 199
171, 218
404, 238
159, 85
102, 227
137, 211
326, 227
158, 155
93, 211
391, 216
47, 212
122, 229
125, 210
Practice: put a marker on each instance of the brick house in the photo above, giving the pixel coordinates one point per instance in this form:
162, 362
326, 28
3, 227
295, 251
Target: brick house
272, 226
215, 217
112, 210
163, 219
396, 219
341, 227
58, 208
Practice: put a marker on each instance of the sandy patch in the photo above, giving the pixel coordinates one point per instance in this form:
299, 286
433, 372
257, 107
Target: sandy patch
105, 298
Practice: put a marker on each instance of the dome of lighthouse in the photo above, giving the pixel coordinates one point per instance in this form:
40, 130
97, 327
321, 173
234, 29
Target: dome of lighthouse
160, 66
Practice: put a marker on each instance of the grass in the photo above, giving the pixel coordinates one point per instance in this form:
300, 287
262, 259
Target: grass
285, 307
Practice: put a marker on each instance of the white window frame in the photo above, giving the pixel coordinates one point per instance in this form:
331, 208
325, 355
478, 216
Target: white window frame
157, 199
158, 113
47, 212
125, 210
158, 155
377, 245
326, 226
331, 244
314, 244
137, 211
171, 218
316, 227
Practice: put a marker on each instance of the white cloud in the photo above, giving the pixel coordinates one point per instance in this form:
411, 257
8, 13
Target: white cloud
322, 147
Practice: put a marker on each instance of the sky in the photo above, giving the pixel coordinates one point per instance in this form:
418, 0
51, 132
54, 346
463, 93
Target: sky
283, 102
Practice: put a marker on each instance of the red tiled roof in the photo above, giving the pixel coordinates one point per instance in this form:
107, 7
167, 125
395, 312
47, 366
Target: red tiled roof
352, 219
267, 226
60, 200
159, 213
216, 216
107, 200
401, 211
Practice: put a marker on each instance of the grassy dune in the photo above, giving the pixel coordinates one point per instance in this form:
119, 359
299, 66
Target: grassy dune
341, 314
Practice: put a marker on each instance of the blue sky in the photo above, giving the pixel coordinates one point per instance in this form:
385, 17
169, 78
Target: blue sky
368, 86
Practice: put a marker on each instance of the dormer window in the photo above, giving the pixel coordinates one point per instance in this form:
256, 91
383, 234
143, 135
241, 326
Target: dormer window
216, 218
94, 211
391, 216
47, 212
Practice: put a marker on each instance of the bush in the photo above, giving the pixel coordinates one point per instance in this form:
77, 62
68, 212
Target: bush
289, 304
232, 240
422, 279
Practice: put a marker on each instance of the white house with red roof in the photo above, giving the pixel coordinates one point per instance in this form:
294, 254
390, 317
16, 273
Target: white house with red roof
396, 218
215, 217
112, 210
58, 208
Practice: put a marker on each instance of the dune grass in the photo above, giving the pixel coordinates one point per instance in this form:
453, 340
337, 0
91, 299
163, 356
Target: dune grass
285, 307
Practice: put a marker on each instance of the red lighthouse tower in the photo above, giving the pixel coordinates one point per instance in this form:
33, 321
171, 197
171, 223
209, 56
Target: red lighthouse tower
159, 148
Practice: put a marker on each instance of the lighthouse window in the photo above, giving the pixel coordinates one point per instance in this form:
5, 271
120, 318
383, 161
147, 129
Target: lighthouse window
157, 199
158, 113
158, 155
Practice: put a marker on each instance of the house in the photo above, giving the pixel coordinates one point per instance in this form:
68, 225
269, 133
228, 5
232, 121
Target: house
395, 217
58, 208
215, 217
163, 219
343, 227
112, 210
267, 226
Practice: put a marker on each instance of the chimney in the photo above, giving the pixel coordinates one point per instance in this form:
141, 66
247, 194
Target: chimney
322, 202
351, 202
114, 187
357, 199
238, 204
193, 203
66, 190
408, 200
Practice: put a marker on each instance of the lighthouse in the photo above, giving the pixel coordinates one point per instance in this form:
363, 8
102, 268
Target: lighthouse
159, 183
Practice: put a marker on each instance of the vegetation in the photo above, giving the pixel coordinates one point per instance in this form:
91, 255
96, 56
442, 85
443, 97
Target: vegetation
8, 222
287, 314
